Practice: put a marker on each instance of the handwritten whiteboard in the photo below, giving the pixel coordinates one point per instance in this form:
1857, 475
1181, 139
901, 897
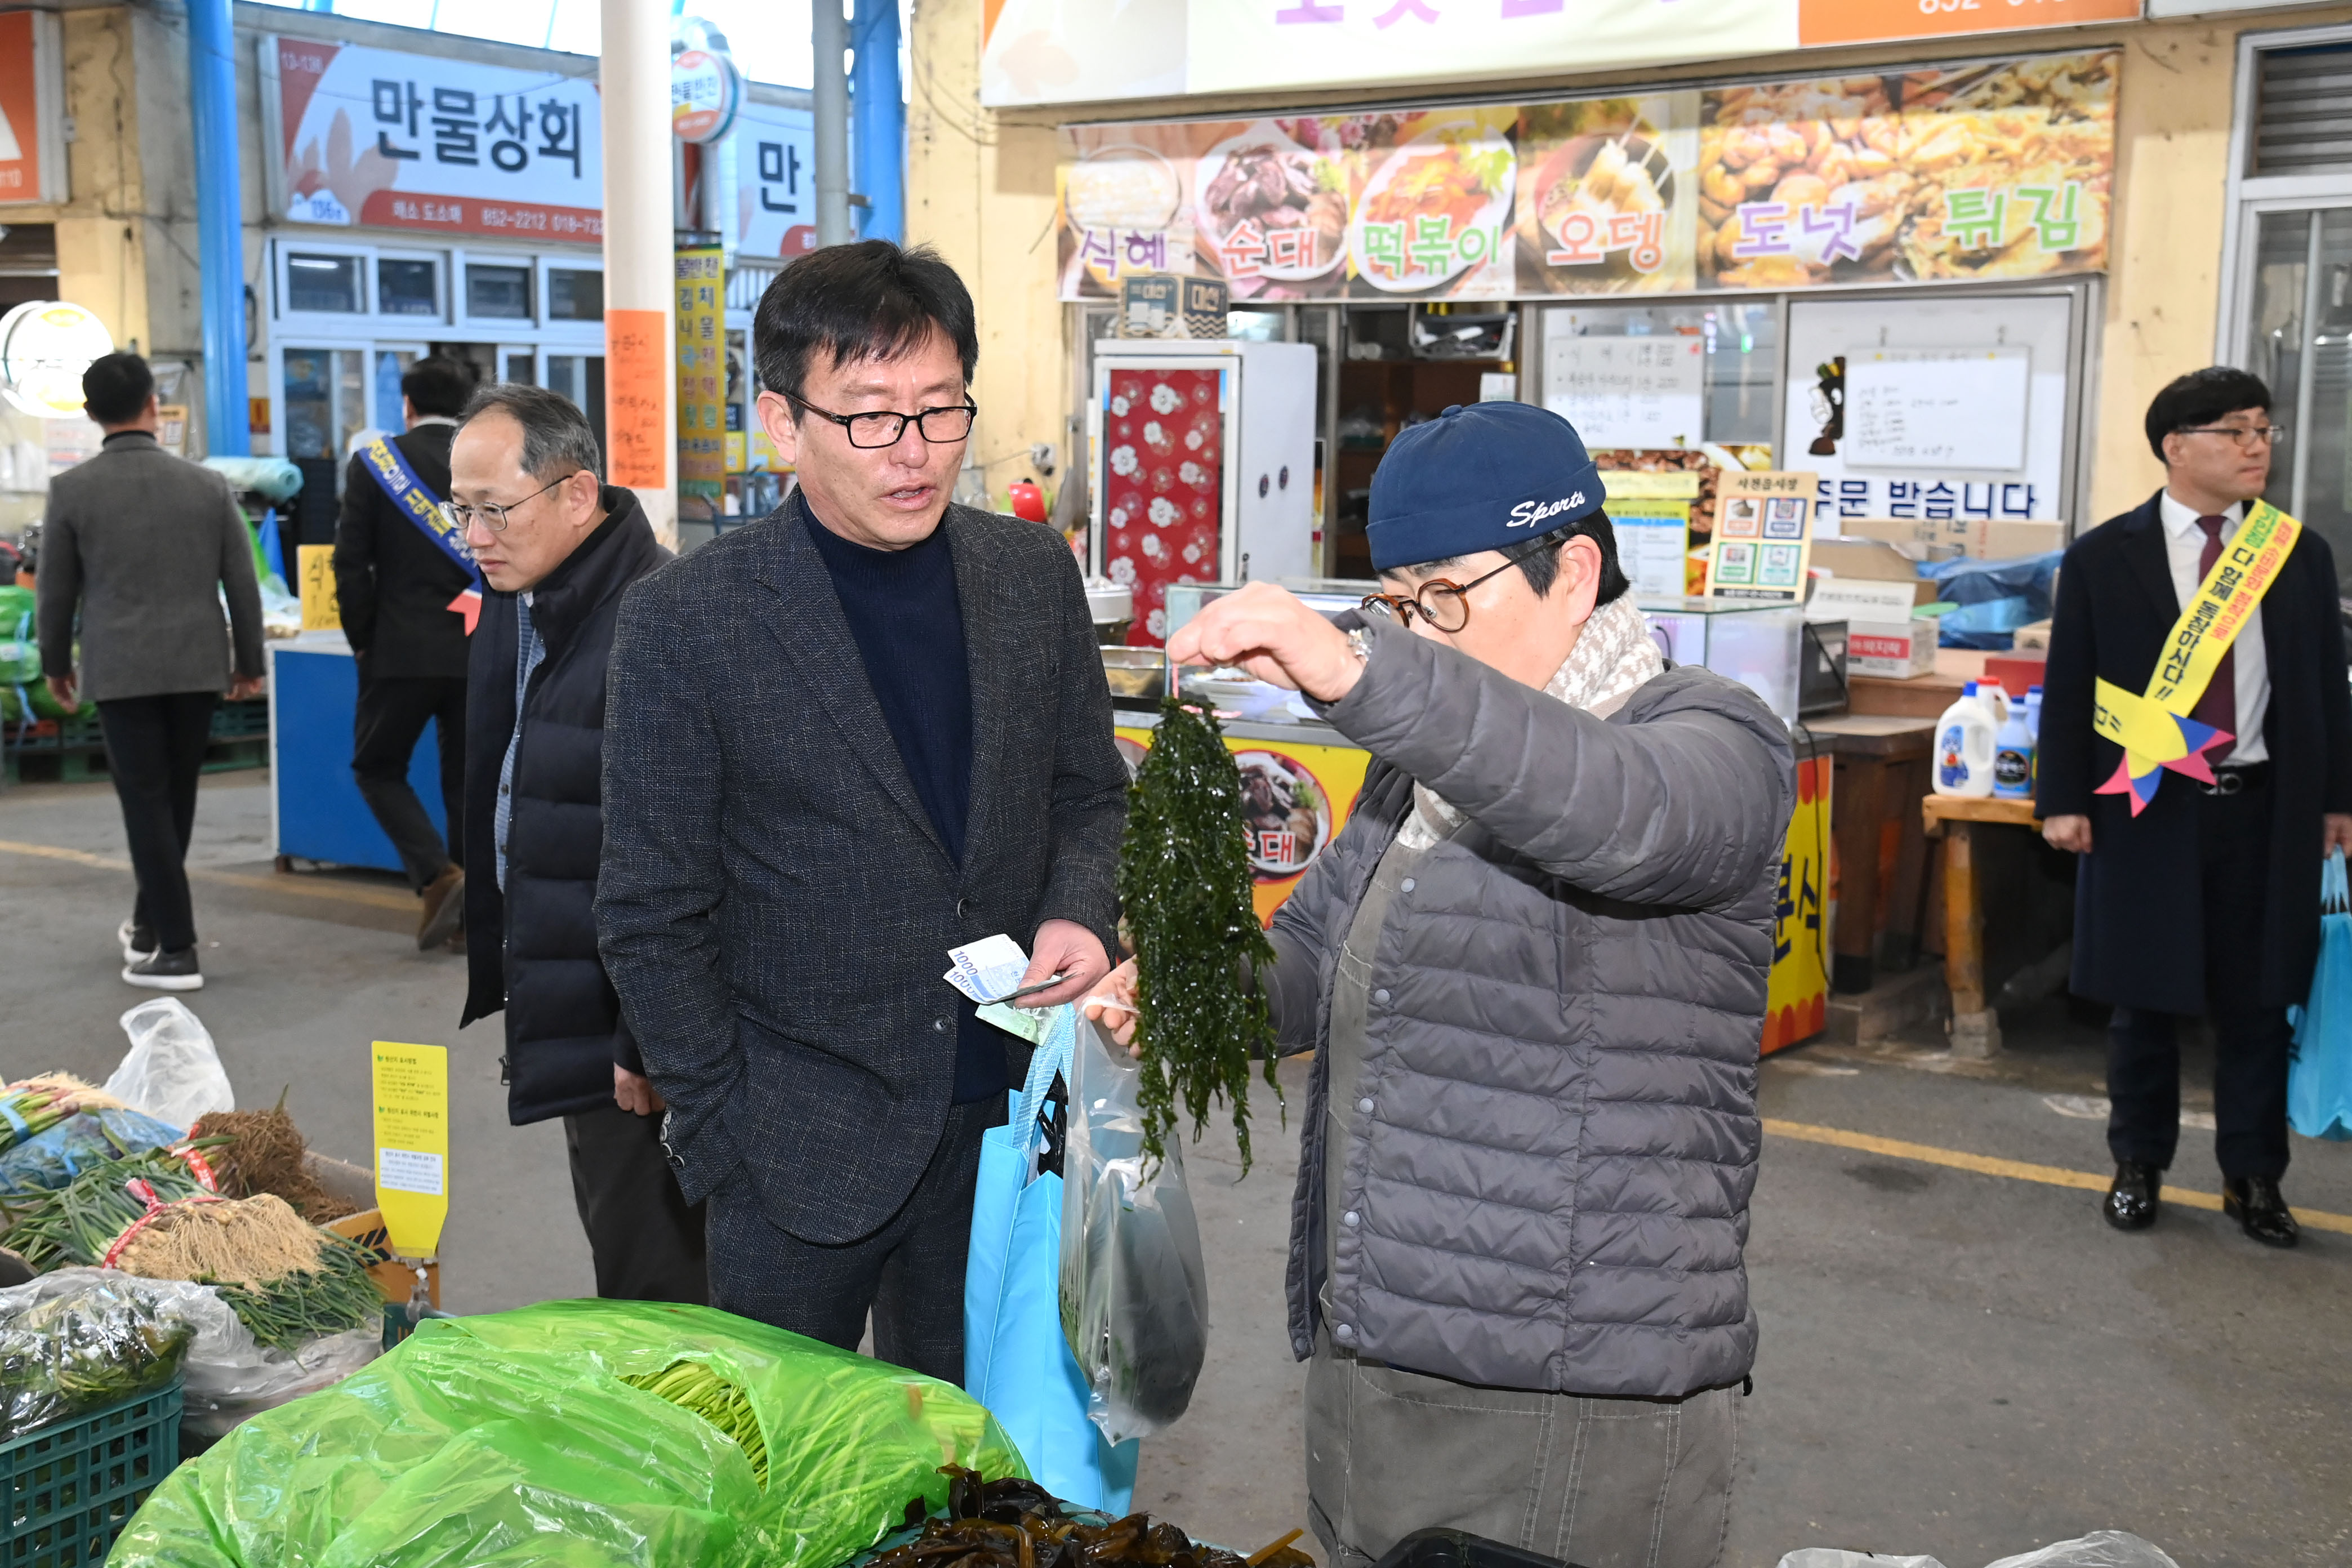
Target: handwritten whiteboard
1647, 392
1937, 408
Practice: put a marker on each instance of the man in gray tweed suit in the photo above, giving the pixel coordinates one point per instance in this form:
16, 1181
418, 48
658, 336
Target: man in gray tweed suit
861, 732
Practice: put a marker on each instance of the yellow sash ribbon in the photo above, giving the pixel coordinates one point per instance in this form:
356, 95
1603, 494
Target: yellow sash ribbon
2154, 727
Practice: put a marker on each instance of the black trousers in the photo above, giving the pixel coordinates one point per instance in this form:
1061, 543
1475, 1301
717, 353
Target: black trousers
648, 1243
391, 714
2251, 1042
909, 1274
156, 750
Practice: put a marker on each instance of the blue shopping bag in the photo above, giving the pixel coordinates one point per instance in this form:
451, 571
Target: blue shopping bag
2319, 1082
1015, 1361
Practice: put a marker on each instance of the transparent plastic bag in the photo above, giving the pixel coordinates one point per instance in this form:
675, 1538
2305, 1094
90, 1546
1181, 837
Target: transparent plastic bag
170, 1071
224, 1374
80, 1339
1834, 1557
2100, 1548
1135, 1292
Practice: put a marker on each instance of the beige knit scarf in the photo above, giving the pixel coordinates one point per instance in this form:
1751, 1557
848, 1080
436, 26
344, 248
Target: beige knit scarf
1614, 654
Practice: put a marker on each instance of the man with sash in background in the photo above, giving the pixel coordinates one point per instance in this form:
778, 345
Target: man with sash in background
2196, 752
409, 594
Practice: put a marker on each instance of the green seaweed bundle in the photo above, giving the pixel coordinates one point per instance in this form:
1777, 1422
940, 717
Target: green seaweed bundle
1184, 878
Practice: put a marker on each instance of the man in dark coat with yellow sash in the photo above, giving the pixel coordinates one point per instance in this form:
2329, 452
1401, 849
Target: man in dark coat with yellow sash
2199, 761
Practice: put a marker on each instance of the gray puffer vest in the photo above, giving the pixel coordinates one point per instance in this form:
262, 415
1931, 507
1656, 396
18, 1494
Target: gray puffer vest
1559, 1131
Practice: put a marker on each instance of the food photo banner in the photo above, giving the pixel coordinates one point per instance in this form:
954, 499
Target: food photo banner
1996, 169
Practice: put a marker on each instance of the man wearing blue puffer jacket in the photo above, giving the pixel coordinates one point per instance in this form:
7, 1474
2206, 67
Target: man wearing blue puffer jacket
1532, 968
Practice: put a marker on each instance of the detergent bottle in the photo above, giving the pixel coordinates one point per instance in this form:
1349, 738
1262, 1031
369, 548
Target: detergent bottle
2034, 712
1964, 746
2012, 757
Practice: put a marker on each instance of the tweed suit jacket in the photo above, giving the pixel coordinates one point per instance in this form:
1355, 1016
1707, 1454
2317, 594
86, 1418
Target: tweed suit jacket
145, 545
774, 905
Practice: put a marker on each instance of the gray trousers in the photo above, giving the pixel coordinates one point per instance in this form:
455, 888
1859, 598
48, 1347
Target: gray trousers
1601, 1483
908, 1275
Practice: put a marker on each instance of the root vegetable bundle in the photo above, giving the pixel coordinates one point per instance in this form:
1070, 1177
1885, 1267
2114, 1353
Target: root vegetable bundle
1184, 878
266, 1155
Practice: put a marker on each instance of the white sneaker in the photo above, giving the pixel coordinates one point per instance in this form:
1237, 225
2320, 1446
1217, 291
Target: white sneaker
128, 935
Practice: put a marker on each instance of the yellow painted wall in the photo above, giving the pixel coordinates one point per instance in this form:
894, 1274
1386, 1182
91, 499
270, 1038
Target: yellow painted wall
979, 187
982, 190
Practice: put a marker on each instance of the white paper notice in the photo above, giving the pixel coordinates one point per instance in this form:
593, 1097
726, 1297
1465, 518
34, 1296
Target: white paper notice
1937, 408
1639, 393
409, 1171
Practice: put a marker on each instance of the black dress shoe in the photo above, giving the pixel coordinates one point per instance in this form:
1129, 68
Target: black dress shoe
2255, 1204
2132, 1202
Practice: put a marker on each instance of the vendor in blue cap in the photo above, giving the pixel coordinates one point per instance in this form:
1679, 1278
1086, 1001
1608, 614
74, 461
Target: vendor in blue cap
1532, 968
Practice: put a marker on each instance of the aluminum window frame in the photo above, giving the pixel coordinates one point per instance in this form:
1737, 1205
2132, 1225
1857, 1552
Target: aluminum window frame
2247, 196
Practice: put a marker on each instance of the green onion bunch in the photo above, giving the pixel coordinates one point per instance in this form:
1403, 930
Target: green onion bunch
78, 1222
296, 1307
31, 1108
1184, 879
692, 1385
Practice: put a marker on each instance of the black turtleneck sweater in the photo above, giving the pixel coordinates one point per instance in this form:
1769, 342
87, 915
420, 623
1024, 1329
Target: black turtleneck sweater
902, 611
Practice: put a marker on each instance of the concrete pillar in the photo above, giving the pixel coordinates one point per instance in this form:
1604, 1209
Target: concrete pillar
828, 41
220, 226
640, 323
880, 121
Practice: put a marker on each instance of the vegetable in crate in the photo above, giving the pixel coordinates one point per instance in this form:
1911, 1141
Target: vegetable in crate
78, 1340
1184, 878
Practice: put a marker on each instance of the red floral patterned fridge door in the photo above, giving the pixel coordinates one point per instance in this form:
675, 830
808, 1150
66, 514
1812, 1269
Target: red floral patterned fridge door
1163, 476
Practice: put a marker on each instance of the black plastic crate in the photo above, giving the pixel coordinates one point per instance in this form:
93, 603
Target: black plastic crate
1460, 1549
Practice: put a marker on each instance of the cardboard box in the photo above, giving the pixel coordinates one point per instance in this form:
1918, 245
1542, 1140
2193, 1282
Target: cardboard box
1872, 560
354, 1185
1866, 599
2032, 635
1924, 539
1896, 651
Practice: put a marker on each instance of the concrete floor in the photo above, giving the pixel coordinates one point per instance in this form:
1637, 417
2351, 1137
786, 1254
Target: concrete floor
1952, 1363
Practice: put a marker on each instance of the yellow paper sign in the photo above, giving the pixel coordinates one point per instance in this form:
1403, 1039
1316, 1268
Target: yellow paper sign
412, 1145
315, 565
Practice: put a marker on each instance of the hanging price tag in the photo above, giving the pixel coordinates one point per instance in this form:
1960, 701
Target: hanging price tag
412, 1145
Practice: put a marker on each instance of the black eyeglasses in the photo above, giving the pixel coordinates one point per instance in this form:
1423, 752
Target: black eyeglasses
2248, 436
939, 425
1447, 605
494, 516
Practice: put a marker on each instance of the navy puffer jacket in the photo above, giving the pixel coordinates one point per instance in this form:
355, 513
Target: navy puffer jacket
1551, 1184
531, 949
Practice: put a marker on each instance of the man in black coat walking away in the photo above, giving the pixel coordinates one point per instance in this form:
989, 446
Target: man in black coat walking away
399, 592
2196, 896
556, 547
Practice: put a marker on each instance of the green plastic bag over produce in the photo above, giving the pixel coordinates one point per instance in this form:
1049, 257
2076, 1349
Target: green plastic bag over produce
515, 1439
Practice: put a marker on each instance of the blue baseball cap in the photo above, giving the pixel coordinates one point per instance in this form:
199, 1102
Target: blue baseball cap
1483, 476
